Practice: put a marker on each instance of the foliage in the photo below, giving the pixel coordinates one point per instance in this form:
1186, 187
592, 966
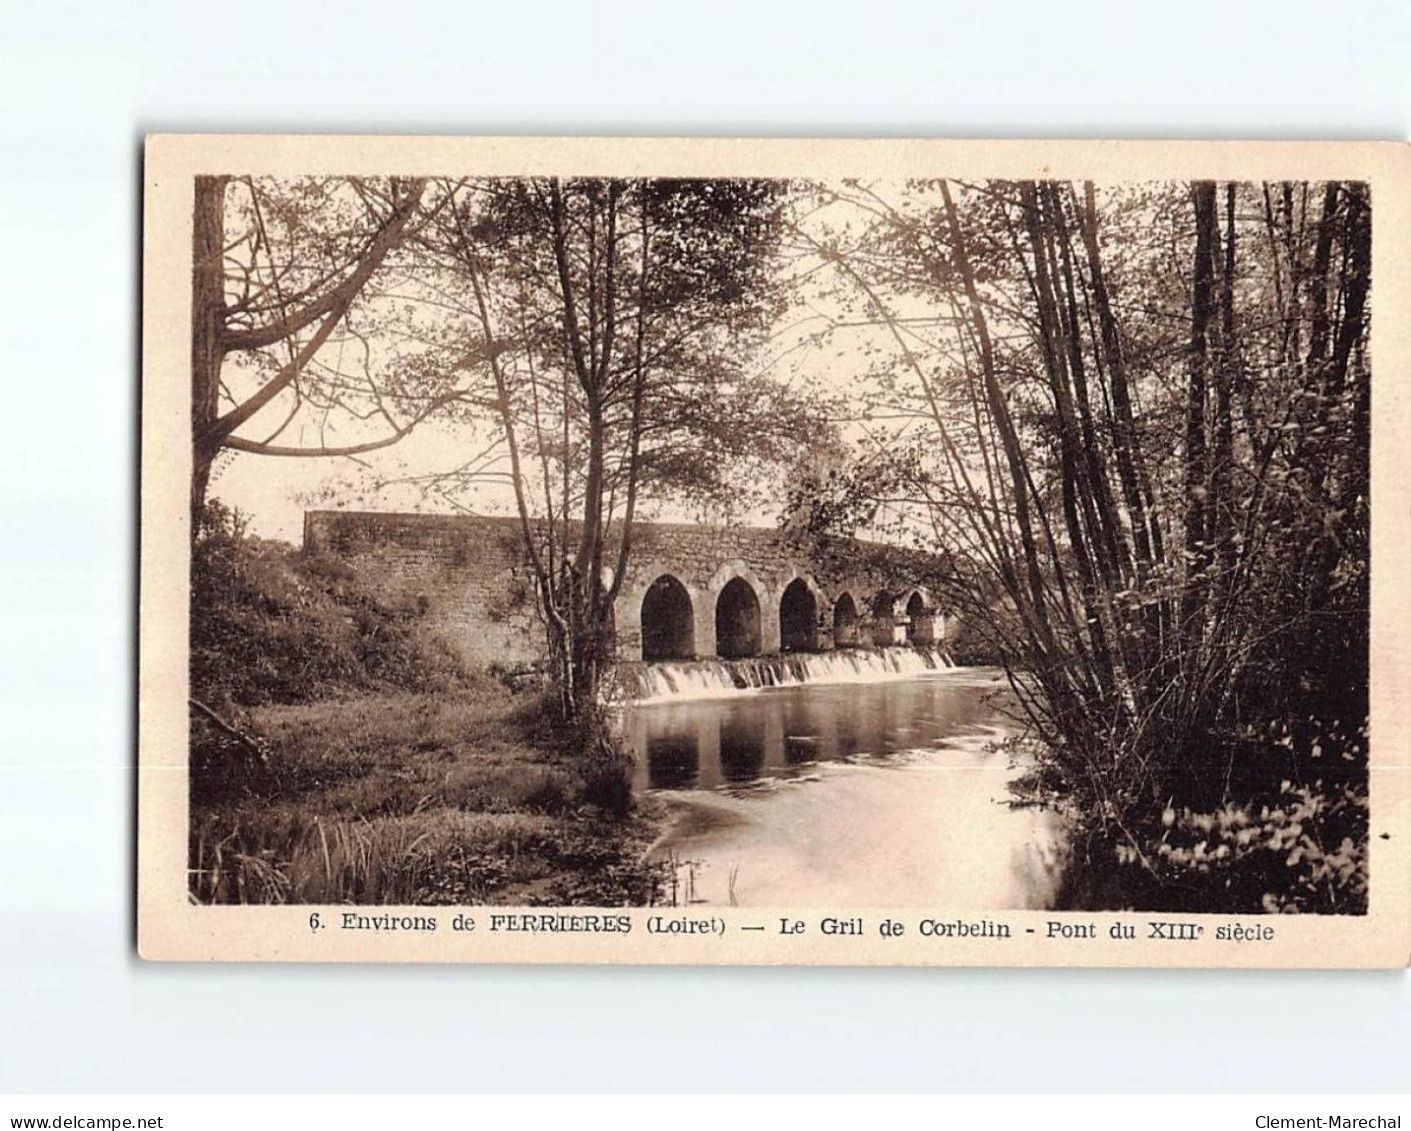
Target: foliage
388, 773
608, 320
582, 340
416, 799
1139, 417
272, 625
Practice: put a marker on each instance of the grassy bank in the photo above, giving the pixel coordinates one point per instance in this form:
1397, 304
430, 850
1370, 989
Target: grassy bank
341, 752
458, 797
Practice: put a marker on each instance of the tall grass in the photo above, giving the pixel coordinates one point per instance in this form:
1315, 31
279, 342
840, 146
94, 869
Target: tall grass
393, 860
403, 798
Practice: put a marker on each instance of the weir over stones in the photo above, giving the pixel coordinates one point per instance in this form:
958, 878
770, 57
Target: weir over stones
691, 591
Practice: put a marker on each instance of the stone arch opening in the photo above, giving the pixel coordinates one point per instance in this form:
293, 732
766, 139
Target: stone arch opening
917, 620
737, 620
845, 620
798, 618
668, 621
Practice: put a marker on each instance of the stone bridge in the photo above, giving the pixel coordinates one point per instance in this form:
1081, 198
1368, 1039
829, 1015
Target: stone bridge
691, 591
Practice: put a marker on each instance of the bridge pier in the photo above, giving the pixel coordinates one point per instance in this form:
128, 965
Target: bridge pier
887, 630
704, 614
929, 628
770, 640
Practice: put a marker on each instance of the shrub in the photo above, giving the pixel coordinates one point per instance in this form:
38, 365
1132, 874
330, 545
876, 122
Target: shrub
607, 780
1295, 845
270, 624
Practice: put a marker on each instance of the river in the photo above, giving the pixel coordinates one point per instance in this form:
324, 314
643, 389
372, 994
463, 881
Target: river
890, 793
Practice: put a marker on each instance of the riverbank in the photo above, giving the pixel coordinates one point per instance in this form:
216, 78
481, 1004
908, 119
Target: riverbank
1292, 847
454, 797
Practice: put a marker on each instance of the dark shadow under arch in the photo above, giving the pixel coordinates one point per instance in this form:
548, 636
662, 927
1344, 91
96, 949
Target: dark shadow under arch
845, 622
916, 616
737, 620
798, 618
668, 621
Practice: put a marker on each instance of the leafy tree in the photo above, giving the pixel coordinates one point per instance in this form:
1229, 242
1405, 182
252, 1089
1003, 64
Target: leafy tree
286, 281
1142, 412
615, 317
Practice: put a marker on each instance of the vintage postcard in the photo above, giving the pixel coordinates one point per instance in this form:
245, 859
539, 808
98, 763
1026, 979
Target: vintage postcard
768, 551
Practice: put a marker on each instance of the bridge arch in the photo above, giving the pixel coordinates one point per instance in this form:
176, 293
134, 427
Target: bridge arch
740, 624
646, 597
801, 603
918, 620
739, 628
668, 620
846, 620
924, 622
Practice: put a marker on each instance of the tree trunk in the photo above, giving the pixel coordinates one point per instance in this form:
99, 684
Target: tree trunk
1197, 471
1318, 285
1114, 542
1079, 515
207, 317
1126, 450
1009, 440
1226, 375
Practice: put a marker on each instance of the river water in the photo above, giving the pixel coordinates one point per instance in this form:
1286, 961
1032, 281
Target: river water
846, 795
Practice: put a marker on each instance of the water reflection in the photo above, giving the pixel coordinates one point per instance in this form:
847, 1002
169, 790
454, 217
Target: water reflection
707, 743
673, 759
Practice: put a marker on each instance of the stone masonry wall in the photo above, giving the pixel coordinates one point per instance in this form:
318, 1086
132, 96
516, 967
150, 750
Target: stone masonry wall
474, 579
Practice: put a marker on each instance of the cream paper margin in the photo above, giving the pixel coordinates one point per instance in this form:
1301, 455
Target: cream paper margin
171, 928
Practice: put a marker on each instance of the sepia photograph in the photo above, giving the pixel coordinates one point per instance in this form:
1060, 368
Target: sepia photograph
849, 565
906, 541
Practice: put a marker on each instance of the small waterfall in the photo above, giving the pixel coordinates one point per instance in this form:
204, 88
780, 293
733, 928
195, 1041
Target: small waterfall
673, 680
